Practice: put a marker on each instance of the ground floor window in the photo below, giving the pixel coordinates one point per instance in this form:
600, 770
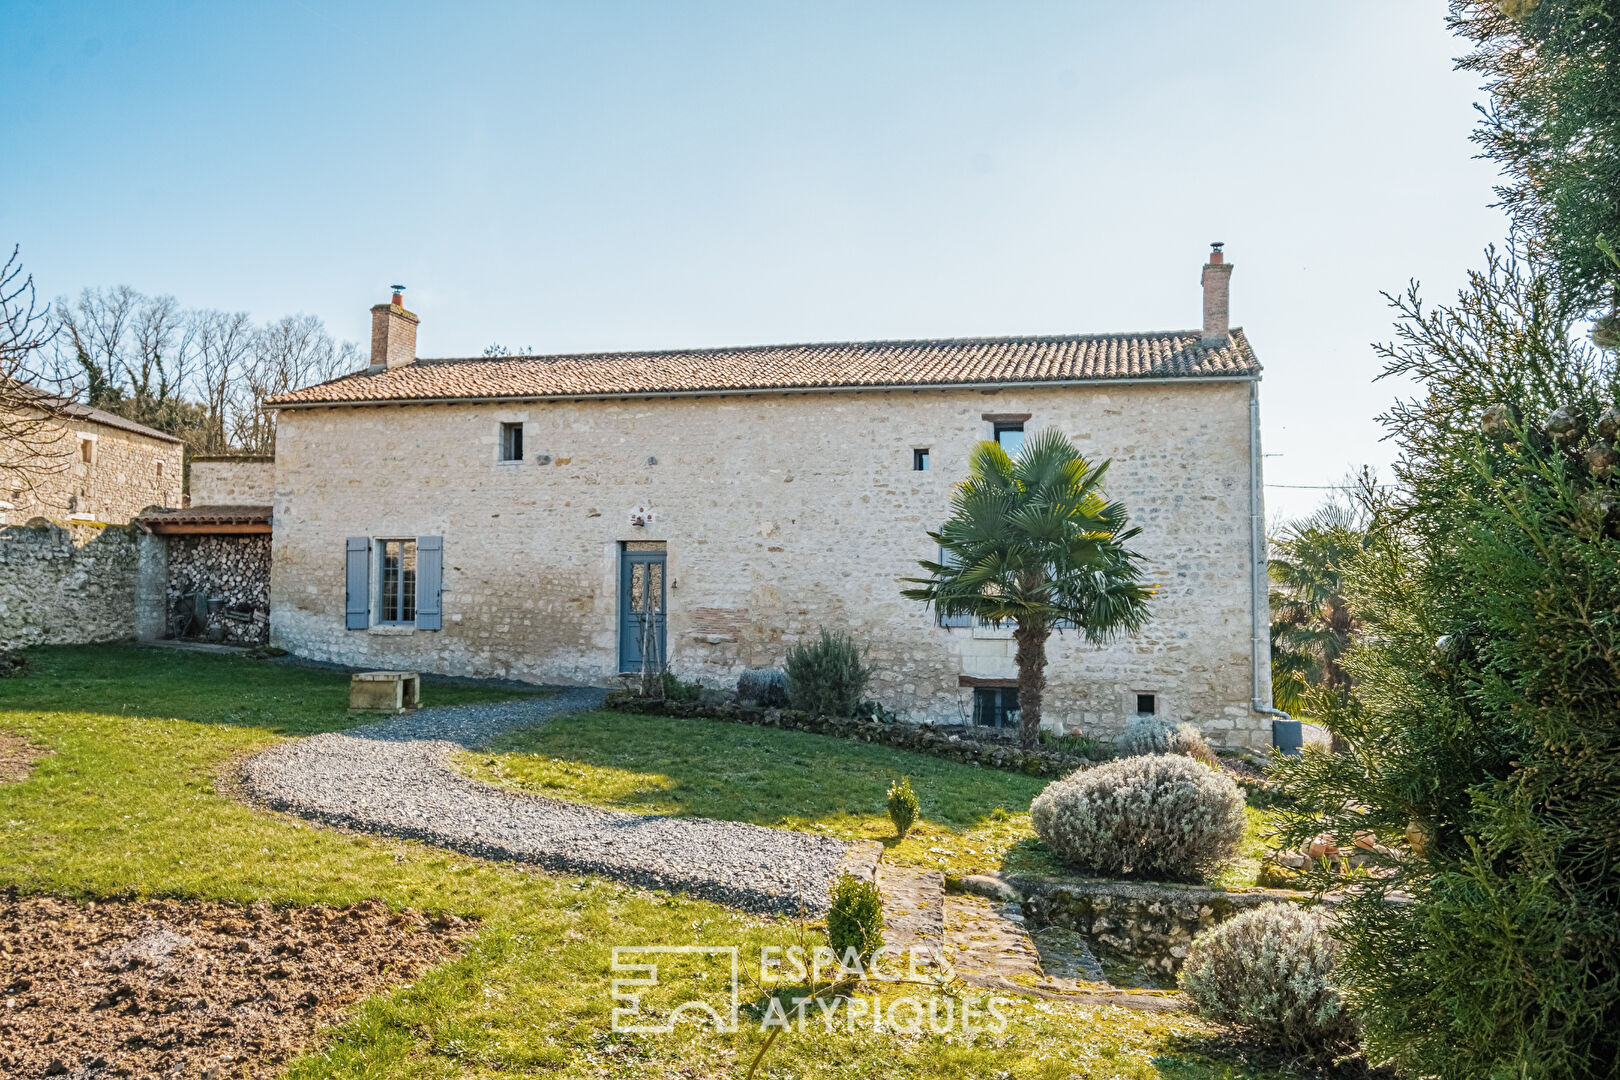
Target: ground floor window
995, 706
397, 592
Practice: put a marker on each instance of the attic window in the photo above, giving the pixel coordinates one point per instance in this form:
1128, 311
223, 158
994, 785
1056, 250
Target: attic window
87, 451
160, 470
511, 442
919, 459
1010, 436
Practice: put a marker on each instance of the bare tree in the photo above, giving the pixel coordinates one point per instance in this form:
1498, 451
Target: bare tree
31, 446
293, 351
155, 368
223, 341
94, 340
200, 375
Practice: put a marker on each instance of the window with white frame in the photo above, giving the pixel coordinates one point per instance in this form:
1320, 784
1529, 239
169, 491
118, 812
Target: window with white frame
396, 585
511, 442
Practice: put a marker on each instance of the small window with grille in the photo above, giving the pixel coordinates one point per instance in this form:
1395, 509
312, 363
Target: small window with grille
511, 442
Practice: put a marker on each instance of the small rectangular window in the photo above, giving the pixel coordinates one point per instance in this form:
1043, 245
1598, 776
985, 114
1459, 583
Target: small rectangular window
160, 470
995, 706
511, 442
87, 450
1010, 435
919, 459
1147, 704
397, 592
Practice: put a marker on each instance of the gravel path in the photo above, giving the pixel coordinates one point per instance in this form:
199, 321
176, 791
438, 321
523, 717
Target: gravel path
395, 777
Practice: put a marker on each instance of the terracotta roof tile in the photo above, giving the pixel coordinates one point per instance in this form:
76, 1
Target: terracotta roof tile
209, 515
844, 365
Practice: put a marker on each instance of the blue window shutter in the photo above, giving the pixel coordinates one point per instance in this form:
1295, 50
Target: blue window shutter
357, 583
429, 581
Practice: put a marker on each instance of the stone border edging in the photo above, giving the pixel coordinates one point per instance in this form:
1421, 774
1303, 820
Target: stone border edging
932, 739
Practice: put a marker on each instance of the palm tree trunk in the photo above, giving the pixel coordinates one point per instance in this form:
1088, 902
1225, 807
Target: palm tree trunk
1031, 660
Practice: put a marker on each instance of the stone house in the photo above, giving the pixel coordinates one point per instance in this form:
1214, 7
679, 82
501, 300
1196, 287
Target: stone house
555, 518
96, 467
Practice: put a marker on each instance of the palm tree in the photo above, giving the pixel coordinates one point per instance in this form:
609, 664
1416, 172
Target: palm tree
1311, 622
1033, 541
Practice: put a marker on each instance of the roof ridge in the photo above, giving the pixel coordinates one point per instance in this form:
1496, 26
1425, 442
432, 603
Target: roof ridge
1001, 339
846, 365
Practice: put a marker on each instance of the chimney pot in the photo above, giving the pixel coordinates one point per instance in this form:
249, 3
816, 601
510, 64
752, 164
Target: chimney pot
1217, 279
393, 334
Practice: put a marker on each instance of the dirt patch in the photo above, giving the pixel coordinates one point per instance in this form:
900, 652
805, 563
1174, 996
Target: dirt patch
17, 757
191, 989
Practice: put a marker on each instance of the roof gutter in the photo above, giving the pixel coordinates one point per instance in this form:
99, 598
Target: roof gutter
527, 399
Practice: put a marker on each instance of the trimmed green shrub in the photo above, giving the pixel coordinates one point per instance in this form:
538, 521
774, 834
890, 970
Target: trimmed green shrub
1269, 972
1154, 735
766, 687
679, 690
1162, 817
855, 920
826, 677
902, 806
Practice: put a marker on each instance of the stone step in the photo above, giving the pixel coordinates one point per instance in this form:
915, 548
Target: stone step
983, 938
913, 909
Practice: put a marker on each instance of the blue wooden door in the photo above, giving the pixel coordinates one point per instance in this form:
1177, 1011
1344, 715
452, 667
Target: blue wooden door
641, 610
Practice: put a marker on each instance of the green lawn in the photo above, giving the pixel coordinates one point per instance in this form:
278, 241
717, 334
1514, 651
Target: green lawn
127, 803
973, 820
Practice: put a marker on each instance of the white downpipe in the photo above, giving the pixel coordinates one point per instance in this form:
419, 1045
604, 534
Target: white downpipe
1259, 597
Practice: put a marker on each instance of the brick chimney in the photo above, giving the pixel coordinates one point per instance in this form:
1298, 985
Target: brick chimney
393, 334
1217, 281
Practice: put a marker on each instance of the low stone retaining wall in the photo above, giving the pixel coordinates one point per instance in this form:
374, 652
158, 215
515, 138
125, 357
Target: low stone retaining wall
1149, 922
949, 742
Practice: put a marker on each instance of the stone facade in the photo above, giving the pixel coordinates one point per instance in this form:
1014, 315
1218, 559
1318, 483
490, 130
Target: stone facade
781, 513
69, 585
96, 472
232, 571
233, 481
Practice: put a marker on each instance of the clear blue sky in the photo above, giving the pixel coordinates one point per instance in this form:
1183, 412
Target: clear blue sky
580, 176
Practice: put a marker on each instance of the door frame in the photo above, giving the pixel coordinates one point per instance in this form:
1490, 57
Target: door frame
627, 642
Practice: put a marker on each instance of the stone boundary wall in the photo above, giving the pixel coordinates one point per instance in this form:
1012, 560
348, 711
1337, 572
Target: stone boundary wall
233, 481
1152, 923
235, 569
947, 742
70, 585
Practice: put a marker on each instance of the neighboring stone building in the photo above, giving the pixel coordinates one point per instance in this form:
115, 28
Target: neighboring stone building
548, 518
100, 467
